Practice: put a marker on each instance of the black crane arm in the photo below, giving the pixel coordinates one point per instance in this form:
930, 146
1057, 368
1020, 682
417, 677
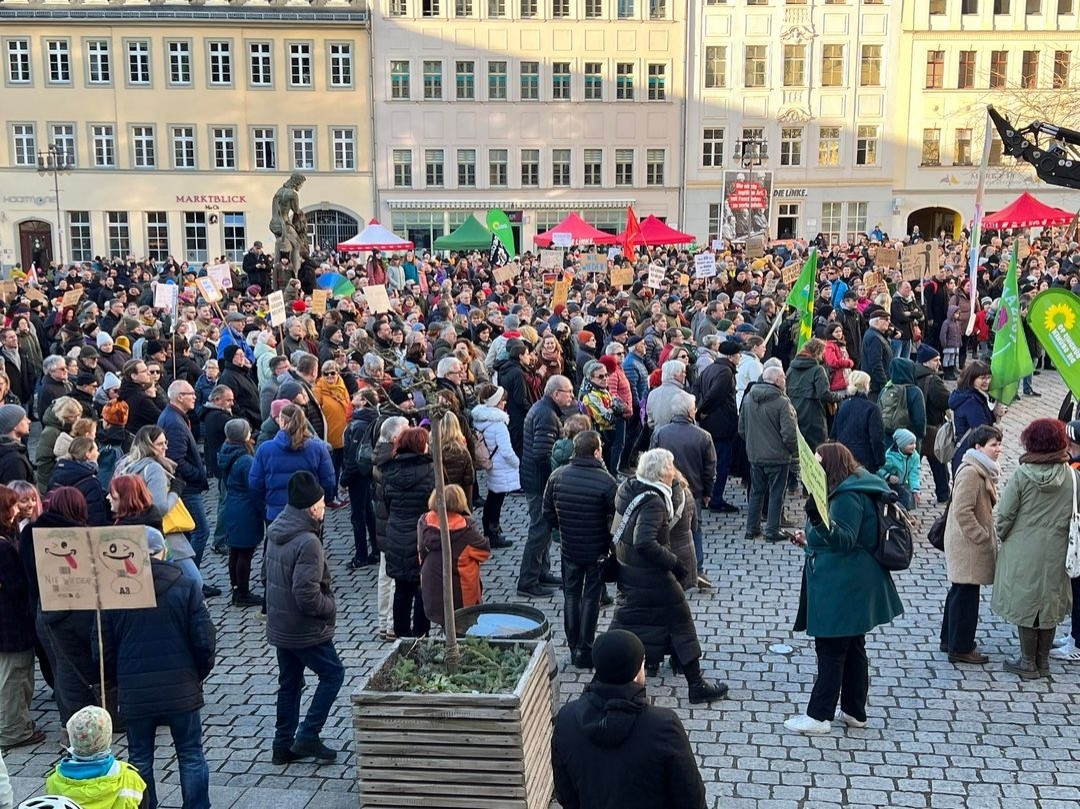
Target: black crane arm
1053, 164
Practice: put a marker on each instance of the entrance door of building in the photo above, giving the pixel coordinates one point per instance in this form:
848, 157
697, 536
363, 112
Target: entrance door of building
787, 220
35, 243
328, 228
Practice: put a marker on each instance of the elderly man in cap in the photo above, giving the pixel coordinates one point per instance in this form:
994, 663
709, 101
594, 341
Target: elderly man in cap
612, 749
233, 335
257, 268
876, 352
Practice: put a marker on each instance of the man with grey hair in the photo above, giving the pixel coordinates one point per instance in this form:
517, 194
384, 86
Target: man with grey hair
445, 344
768, 425
672, 381
54, 384
215, 415
278, 367
876, 353
708, 352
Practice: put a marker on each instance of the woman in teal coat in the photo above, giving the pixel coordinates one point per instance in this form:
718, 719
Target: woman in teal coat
845, 592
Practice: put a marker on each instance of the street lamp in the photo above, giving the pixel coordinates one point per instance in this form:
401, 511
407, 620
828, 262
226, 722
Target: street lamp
56, 160
752, 152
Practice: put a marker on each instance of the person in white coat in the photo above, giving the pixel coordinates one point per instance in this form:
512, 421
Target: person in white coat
750, 367
492, 422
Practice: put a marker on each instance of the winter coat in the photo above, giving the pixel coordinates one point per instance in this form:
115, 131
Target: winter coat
768, 424
838, 364
658, 407
717, 407
213, 420
681, 531
83, 475
858, 427
407, 482
905, 467
971, 542
336, 407
382, 453
936, 396
120, 787
45, 460
172, 643
961, 300
245, 390
637, 375
1031, 587
469, 549
845, 591
851, 321
239, 514
808, 389
183, 449
970, 409
613, 749
358, 429
276, 462
142, 408
541, 430
951, 334
874, 359
300, 606
156, 479
458, 468
579, 500
14, 461
16, 603
906, 314
694, 451
492, 424
902, 372
654, 606
511, 377
599, 405
748, 372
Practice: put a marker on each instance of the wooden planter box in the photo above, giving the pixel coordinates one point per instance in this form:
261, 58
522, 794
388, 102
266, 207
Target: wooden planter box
445, 751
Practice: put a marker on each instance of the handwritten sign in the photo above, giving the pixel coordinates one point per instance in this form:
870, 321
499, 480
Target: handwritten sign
718, 245
71, 297
769, 287
704, 265
318, 301
1023, 249
684, 279
222, 275
561, 292
622, 276
508, 272
813, 477
277, 307
562, 239
165, 297
790, 274
887, 257
208, 289
656, 277
913, 261
755, 247
551, 259
87, 568
36, 295
873, 279
377, 299
593, 262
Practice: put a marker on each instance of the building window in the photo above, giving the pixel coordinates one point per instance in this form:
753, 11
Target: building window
104, 138
496, 8
179, 62
594, 167
300, 64
530, 81
399, 80
870, 66
935, 69
963, 148
594, 9
98, 67
560, 8
965, 78
1062, 61
498, 168
856, 221
754, 66
530, 167
433, 168
999, 68
260, 64
997, 148
829, 146
59, 51
345, 148
832, 66
463, 8
931, 147
224, 138
465, 80
18, 59
79, 236
220, 63
969, 6
626, 9
496, 81
624, 81
866, 146
712, 149
937, 7
1064, 6
594, 81
560, 81
715, 67
714, 222
791, 146
432, 80
757, 2
196, 247
183, 147
794, 65
1033, 7
234, 235
529, 9
560, 167
1029, 70
624, 167
341, 64
138, 54
264, 147
657, 9
1002, 6
143, 147
157, 235
831, 212
63, 135
399, 8
654, 166
466, 168
24, 141
119, 233
303, 148
402, 168
657, 81
430, 8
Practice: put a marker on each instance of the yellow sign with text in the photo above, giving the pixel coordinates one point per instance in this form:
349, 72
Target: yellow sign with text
812, 475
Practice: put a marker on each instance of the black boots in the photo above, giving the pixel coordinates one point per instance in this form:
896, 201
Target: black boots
703, 691
496, 537
1042, 651
1024, 666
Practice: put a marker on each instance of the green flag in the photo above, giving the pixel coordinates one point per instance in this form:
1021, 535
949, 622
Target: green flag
499, 224
801, 297
1011, 360
1054, 319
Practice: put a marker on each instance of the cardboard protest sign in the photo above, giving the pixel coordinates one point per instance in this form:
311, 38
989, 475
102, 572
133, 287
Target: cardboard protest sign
562, 239
208, 289
887, 257
377, 299
593, 262
277, 307
507, 273
1023, 249
769, 288
551, 259
319, 297
222, 275
684, 279
873, 279
656, 277
90, 568
562, 291
755, 247
71, 297
8, 290
813, 477
622, 276
790, 274
613, 253
704, 265
914, 260
36, 295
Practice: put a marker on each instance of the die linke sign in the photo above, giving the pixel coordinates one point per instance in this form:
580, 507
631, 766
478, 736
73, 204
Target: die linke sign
211, 199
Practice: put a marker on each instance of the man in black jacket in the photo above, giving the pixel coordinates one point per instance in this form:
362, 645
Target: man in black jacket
236, 374
257, 268
719, 415
216, 414
17, 367
876, 351
611, 749
511, 377
928, 380
14, 459
579, 500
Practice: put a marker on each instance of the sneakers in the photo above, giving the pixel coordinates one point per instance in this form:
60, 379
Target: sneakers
808, 726
313, 748
1067, 651
849, 720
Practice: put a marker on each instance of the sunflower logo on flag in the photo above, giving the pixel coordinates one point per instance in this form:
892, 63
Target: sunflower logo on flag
1065, 313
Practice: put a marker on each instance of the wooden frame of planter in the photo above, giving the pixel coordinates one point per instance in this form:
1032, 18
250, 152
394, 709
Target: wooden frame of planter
451, 751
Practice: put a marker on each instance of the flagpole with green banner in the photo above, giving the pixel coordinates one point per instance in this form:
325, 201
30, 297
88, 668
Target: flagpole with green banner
1054, 319
499, 224
1011, 360
801, 297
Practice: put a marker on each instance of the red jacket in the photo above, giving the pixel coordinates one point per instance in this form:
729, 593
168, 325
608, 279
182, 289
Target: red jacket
837, 361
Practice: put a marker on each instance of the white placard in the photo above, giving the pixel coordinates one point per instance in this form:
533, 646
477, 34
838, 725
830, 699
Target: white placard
704, 265
718, 244
593, 262
613, 253
656, 277
165, 296
277, 307
222, 274
208, 288
562, 239
551, 259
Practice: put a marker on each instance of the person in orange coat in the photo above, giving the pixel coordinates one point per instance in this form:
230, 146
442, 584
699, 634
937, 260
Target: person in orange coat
470, 548
333, 397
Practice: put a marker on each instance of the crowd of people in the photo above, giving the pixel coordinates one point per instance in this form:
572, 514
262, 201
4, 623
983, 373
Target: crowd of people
622, 415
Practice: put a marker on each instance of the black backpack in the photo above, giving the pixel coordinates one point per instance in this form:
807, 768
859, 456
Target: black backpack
896, 544
365, 448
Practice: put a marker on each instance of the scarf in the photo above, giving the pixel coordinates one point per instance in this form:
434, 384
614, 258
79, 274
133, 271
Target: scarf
979, 457
1061, 456
664, 490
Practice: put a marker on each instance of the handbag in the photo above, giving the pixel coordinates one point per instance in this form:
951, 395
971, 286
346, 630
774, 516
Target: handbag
936, 534
178, 520
1072, 555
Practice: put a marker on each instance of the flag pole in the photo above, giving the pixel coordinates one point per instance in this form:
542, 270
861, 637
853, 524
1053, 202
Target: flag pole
976, 225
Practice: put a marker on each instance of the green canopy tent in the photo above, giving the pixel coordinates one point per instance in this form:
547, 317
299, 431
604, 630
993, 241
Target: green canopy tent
472, 235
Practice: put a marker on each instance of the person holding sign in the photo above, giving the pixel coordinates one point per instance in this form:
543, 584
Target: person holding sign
845, 592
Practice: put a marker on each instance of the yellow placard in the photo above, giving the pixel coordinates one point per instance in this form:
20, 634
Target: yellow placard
622, 276
319, 297
812, 474
562, 291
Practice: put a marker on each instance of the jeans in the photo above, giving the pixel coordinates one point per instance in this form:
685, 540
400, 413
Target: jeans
186, 729
843, 674
410, 620
618, 441
901, 348
582, 587
960, 618
535, 556
196, 504
17, 687
770, 479
1076, 610
1027, 384
725, 453
324, 662
941, 475
189, 569
362, 514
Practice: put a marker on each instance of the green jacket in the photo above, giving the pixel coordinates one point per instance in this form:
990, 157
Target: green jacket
1032, 524
122, 788
845, 591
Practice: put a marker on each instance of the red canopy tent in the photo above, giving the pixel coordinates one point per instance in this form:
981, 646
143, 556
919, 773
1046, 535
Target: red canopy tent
655, 232
581, 232
1027, 212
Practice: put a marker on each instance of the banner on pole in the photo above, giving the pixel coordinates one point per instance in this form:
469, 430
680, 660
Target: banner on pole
90, 568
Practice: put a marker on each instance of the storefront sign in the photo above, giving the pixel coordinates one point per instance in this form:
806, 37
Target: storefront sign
23, 200
211, 199
789, 193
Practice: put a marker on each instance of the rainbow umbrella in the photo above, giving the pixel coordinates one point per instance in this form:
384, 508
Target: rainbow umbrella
338, 284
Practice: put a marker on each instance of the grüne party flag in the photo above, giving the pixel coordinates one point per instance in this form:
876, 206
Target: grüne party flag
1011, 360
802, 297
632, 235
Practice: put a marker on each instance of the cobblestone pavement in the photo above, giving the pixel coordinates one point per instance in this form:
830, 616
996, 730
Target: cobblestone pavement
939, 735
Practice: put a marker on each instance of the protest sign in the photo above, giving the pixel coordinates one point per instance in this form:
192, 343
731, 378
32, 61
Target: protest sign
208, 289
8, 290
93, 568
755, 247
222, 275
684, 279
277, 307
562, 239
887, 257
71, 297
656, 277
790, 274
704, 265
551, 259
166, 297
718, 245
769, 288
562, 291
378, 300
622, 276
613, 253
319, 297
593, 262
35, 295
813, 477
1023, 249
507, 272
913, 261
872, 279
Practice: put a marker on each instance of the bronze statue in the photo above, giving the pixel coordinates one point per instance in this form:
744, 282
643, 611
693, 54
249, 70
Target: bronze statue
288, 222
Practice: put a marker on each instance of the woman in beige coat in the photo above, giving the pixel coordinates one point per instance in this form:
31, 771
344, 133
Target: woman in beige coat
970, 544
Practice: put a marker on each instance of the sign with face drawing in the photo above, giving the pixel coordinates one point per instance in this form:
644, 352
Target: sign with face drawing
90, 568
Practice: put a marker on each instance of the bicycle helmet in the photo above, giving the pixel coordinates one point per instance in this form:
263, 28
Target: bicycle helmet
49, 802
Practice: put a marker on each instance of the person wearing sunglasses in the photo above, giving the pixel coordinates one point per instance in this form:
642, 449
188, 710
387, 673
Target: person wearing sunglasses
330, 392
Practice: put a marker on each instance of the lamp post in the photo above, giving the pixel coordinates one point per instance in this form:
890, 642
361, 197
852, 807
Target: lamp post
56, 160
752, 152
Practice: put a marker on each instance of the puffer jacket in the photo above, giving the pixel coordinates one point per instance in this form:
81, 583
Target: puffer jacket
493, 424
300, 606
858, 427
239, 514
468, 547
408, 480
276, 462
579, 500
382, 453
458, 467
83, 475
541, 430
681, 531
45, 460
